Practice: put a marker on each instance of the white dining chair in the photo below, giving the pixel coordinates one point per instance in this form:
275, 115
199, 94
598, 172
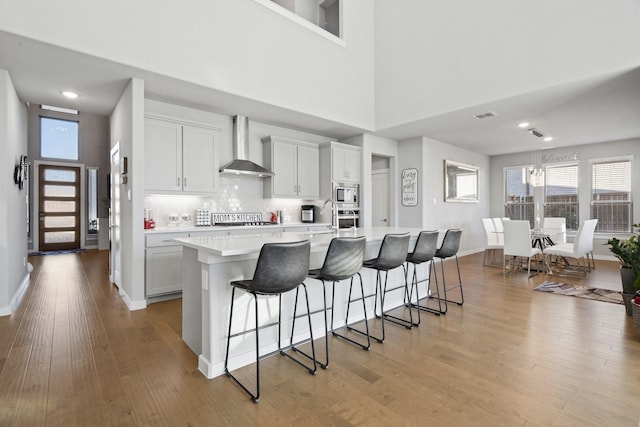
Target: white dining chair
556, 228
580, 249
517, 243
493, 241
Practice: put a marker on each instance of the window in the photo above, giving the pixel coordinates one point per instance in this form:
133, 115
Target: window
611, 195
92, 200
320, 16
518, 202
561, 193
58, 139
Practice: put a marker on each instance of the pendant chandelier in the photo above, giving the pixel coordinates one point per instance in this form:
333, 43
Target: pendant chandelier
536, 173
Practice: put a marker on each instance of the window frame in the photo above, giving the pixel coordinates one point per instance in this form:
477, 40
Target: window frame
40, 142
572, 225
629, 203
524, 206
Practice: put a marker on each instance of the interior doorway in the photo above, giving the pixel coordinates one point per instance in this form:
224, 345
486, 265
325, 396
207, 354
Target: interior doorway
380, 208
115, 257
59, 207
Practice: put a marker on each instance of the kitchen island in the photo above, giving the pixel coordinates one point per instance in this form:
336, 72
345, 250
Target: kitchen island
211, 262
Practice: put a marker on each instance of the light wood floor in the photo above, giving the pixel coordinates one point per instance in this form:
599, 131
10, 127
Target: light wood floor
73, 355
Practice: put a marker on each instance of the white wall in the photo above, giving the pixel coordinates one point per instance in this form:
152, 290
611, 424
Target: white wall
239, 47
585, 153
431, 54
428, 156
127, 128
14, 277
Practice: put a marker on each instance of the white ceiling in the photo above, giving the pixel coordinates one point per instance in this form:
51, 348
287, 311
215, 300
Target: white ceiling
602, 108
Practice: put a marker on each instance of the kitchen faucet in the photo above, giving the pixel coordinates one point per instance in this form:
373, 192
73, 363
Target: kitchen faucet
334, 212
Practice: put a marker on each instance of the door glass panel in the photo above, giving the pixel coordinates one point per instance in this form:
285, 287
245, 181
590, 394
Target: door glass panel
59, 206
59, 236
59, 191
59, 221
60, 175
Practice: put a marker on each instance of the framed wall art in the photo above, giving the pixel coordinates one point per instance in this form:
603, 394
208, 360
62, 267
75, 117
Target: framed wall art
460, 182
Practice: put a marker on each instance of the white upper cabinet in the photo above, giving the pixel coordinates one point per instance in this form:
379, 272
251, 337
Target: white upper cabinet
295, 165
199, 168
162, 155
179, 157
345, 163
338, 163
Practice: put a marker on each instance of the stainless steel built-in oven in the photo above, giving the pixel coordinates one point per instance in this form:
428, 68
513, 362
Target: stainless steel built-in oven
347, 204
348, 218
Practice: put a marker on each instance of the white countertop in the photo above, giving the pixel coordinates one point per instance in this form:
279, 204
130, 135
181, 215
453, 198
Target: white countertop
252, 243
265, 228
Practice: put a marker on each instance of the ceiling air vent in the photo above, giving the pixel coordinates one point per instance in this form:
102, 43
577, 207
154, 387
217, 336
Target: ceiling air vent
485, 115
535, 132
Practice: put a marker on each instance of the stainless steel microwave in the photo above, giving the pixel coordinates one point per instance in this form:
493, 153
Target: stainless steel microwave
346, 193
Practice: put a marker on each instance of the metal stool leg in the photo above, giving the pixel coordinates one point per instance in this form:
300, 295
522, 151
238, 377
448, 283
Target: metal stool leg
395, 319
414, 282
347, 325
325, 364
254, 397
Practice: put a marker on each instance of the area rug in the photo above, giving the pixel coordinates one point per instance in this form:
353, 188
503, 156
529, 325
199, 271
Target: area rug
579, 291
66, 251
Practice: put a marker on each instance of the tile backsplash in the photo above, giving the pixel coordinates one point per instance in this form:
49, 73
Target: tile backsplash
236, 194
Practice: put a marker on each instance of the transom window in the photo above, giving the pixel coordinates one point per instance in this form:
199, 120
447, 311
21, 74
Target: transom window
58, 139
611, 195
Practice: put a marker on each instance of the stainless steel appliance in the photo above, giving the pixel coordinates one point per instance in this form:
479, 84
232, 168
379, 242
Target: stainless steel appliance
346, 193
347, 204
308, 213
348, 218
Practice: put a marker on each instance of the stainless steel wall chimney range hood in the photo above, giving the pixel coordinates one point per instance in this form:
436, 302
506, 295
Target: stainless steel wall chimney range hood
240, 164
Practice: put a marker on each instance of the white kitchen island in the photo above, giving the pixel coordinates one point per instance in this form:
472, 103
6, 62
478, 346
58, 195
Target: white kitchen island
211, 262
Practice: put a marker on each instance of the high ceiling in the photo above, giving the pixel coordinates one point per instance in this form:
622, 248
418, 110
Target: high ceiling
598, 109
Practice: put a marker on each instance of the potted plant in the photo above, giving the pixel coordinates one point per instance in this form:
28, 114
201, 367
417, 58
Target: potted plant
635, 305
628, 253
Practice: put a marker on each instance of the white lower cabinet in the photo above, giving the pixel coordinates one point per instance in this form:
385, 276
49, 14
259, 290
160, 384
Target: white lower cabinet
163, 264
163, 270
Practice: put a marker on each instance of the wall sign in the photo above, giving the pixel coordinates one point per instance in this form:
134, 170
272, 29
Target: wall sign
410, 187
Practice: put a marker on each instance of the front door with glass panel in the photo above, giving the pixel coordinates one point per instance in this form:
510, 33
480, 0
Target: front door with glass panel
59, 207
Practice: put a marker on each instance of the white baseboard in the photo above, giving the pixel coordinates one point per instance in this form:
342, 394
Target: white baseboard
17, 297
132, 305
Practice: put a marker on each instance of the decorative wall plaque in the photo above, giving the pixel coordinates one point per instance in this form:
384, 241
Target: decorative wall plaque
410, 187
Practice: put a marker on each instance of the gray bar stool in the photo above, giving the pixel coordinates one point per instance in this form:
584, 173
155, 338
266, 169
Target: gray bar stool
449, 249
424, 251
343, 261
281, 267
392, 254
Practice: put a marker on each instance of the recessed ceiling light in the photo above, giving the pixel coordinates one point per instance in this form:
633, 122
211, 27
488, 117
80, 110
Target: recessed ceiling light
70, 94
523, 124
548, 138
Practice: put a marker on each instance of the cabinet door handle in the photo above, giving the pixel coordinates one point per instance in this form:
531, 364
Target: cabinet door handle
178, 181
185, 181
